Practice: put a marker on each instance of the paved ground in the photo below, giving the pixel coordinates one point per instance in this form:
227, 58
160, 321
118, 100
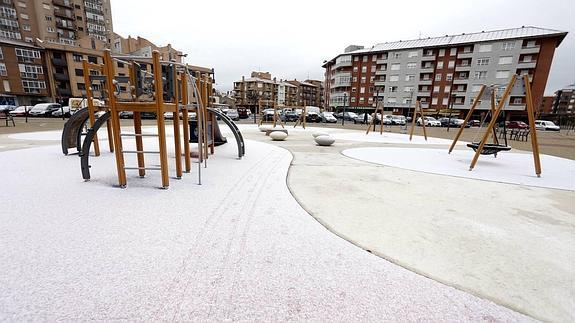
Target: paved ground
509, 243
490, 239
239, 247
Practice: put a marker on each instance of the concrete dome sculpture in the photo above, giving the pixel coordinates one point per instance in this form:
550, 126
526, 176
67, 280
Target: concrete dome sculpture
278, 136
324, 140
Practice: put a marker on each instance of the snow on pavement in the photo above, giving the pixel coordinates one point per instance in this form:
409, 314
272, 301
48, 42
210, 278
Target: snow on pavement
238, 247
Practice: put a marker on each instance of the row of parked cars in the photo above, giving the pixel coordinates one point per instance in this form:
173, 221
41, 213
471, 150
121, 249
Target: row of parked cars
38, 110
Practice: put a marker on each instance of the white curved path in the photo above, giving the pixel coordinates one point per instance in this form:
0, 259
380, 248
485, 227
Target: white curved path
238, 247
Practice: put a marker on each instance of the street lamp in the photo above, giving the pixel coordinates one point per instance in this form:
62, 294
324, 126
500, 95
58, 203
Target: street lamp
344, 103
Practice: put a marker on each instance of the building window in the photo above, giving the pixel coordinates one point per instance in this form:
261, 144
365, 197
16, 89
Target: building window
364, 69
453, 51
411, 65
77, 57
363, 79
374, 58
445, 101
27, 55
356, 58
48, 18
436, 88
412, 54
408, 89
483, 61
393, 89
6, 85
94, 60
439, 65
505, 60
354, 79
442, 52
1, 53
120, 65
395, 67
24, 16
447, 89
410, 77
485, 48
81, 86
480, 75
438, 77
26, 27
355, 69
434, 101
394, 78
391, 100
46, 6
373, 68
364, 58
502, 74
3, 71
449, 77
451, 64
79, 72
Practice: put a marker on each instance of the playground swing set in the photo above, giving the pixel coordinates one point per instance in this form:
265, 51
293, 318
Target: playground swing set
168, 87
517, 86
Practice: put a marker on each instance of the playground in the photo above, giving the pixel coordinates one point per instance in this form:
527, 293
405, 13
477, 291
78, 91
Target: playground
276, 222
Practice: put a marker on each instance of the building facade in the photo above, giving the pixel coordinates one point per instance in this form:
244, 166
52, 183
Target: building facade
260, 88
564, 102
59, 34
440, 72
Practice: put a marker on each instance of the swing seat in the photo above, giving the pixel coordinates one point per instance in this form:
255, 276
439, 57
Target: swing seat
489, 149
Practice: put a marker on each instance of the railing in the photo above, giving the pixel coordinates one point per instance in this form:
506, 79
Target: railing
63, 3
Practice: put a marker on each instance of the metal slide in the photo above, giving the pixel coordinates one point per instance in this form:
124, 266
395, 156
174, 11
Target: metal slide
235, 131
85, 151
72, 133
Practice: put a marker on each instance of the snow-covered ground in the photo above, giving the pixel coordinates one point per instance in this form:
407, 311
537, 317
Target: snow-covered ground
508, 167
391, 138
238, 247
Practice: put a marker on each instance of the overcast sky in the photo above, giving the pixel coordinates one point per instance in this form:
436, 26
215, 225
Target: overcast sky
292, 38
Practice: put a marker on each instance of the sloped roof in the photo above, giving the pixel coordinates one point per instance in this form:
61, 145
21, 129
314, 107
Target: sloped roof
450, 40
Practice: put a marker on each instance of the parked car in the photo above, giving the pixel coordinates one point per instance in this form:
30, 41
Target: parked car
429, 121
21, 111
233, 114
268, 114
452, 122
546, 125
328, 117
65, 110
363, 118
398, 120
126, 115
517, 125
44, 109
289, 116
312, 117
349, 116
474, 123
148, 115
7, 108
244, 113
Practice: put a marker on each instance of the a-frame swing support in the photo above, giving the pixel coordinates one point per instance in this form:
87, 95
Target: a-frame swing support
417, 110
530, 115
379, 108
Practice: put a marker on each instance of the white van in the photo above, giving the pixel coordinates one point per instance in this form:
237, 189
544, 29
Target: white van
310, 108
546, 125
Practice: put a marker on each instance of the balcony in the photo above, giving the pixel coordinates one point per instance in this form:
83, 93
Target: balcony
463, 68
381, 72
61, 77
68, 25
530, 50
341, 84
525, 64
460, 81
381, 61
63, 3
424, 93
379, 83
338, 74
342, 64
425, 81
428, 57
63, 14
465, 55
429, 69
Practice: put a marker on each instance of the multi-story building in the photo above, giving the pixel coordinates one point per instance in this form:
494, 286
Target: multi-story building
142, 47
320, 98
55, 21
564, 101
546, 106
23, 74
440, 72
260, 87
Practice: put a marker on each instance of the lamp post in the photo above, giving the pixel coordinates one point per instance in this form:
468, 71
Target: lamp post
450, 110
343, 114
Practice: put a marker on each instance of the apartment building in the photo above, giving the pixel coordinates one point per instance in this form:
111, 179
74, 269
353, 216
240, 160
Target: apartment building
442, 71
564, 101
55, 21
320, 97
23, 74
140, 46
260, 87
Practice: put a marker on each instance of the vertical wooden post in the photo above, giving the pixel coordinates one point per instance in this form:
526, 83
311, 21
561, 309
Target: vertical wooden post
159, 90
138, 128
418, 105
212, 117
467, 117
90, 103
185, 120
381, 105
493, 121
532, 130
176, 124
414, 116
205, 117
114, 116
199, 118
493, 104
304, 115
